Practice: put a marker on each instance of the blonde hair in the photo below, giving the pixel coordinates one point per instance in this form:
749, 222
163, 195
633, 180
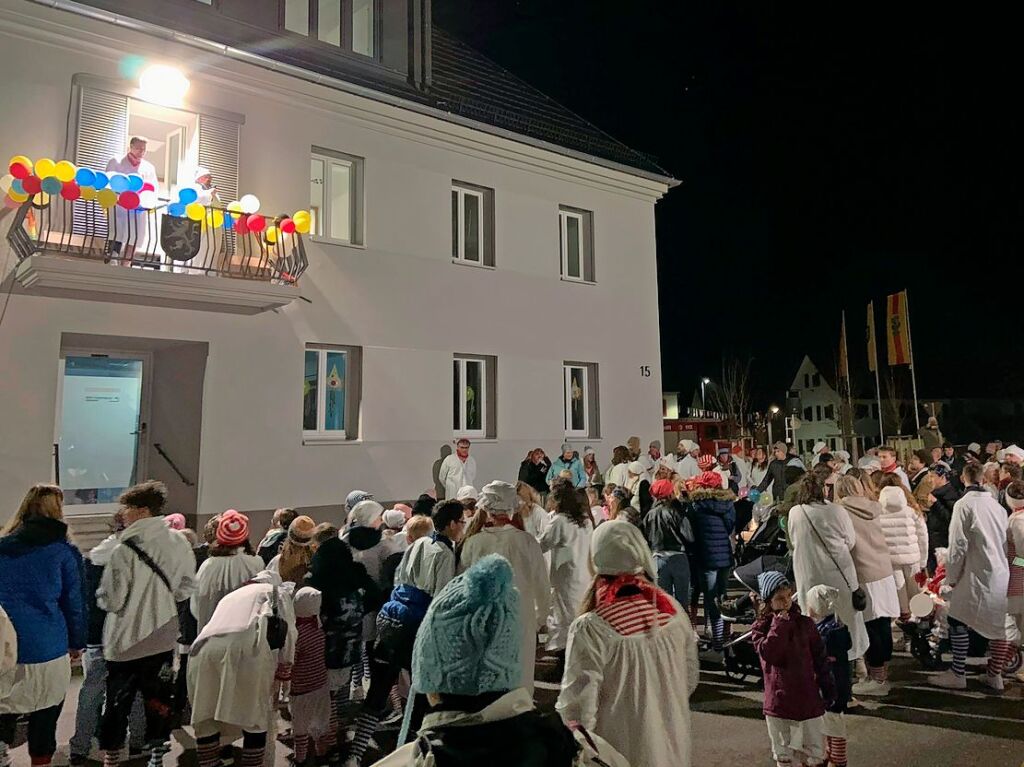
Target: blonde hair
297, 550
41, 500
847, 486
527, 493
418, 527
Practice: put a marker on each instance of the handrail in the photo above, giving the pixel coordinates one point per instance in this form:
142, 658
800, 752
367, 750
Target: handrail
185, 480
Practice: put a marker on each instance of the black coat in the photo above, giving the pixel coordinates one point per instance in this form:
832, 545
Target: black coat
535, 474
777, 474
667, 527
939, 515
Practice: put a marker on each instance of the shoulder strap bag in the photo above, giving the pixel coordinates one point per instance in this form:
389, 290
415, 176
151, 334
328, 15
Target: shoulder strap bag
148, 561
858, 596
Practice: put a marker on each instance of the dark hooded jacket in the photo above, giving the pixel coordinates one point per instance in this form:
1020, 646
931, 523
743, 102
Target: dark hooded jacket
667, 527
940, 514
713, 513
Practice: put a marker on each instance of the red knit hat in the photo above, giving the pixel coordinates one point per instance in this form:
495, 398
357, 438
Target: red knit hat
705, 462
233, 529
710, 479
663, 488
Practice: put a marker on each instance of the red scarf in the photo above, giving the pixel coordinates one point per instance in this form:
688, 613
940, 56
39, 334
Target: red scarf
132, 161
608, 592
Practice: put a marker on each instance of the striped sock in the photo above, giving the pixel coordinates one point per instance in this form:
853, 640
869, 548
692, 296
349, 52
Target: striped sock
252, 756
960, 640
157, 753
718, 633
301, 748
836, 751
366, 725
999, 653
113, 757
396, 700
208, 750
879, 673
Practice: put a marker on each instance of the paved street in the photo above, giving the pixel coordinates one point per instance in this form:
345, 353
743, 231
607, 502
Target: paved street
915, 725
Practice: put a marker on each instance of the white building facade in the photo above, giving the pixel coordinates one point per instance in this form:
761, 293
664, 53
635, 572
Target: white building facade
456, 275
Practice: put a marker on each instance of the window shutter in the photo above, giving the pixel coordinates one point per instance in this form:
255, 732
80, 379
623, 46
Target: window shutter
218, 151
102, 133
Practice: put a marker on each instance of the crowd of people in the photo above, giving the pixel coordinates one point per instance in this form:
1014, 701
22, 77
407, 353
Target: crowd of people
432, 613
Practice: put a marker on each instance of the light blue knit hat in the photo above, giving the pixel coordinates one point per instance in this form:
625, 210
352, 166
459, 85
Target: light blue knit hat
468, 643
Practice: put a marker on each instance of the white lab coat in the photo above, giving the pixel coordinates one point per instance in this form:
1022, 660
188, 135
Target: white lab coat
815, 564
571, 574
137, 234
687, 467
593, 751
217, 577
535, 521
428, 565
523, 553
617, 474
976, 566
455, 475
634, 691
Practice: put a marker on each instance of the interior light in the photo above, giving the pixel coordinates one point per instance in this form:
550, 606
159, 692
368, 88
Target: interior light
163, 85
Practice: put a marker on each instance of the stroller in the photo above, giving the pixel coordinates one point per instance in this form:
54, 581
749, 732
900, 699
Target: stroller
739, 658
769, 539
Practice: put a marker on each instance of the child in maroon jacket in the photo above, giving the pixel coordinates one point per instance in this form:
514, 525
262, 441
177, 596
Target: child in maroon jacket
797, 686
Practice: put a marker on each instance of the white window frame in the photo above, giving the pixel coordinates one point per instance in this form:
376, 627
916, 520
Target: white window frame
567, 400
355, 195
320, 434
481, 396
563, 222
459, 249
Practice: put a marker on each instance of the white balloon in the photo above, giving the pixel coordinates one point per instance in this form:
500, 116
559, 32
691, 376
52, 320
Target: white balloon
148, 199
250, 203
5, 182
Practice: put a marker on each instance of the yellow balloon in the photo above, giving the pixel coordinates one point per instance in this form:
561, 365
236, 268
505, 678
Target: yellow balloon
106, 198
17, 196
302, 226
65, 170
88, 193
45, 167
235, 207
195, 211
20, 159
218, 218
41, 200
271, 234
301, 215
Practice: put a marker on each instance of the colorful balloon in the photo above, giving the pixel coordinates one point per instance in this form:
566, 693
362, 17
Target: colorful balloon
87, 192
18, 197
18, 186
148, 199
20, 159
119, 182
45, 167
52, 185
85, 177
135, 182
148, 187
107, 198
287, 226
302, 225
255, 223
271, 234
20, 171
41, 200
30, 185
215, 219
229, 221
250, 203
64, 171
176, 209
195, 211
187, 195
240, 225
5, 182
128, 200
235, 207
100, 180
70, 191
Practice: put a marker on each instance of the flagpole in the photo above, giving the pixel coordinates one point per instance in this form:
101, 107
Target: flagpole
878, 384
848, 426
878, 392
913, 375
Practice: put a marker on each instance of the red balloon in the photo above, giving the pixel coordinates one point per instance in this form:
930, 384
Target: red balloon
128, 200
148, 187
70, 191
240, 225
255, 223
32, 184
287, 226
20, 171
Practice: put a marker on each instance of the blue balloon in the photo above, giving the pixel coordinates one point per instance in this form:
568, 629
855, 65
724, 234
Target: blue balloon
754, 495
187, 195
119, 183
16, 186
135, 182
100, 180
85, 177
229, 221
176, 209
52, 185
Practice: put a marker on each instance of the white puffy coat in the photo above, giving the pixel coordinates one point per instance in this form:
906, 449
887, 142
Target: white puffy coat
905, 530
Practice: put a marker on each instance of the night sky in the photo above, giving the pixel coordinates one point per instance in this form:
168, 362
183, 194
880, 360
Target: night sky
826, 160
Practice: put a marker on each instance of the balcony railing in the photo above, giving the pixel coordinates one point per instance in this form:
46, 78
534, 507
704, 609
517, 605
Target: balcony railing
217, 244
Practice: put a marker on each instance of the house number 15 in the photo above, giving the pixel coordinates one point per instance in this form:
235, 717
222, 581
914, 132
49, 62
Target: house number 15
645, 371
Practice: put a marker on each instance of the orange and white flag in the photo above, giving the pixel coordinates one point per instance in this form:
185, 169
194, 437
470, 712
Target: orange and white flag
898, 329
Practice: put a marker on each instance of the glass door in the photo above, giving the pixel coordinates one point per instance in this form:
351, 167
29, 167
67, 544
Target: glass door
102, 410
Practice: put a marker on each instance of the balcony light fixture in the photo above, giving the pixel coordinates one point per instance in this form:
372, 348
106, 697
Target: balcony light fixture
163, 84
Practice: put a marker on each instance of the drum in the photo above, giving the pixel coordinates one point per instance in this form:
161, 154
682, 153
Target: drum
921, 605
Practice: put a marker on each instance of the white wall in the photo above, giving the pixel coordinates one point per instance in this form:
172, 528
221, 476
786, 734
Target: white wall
400, 297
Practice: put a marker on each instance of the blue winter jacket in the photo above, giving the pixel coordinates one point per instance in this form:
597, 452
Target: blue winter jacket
574, 467
714, 517
41, 590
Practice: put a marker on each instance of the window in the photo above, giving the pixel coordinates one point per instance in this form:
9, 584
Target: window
335, 197
473, 393
816, 380
817, 411
576, 243
472, 224
809, 414
807, 380
330, 393
347, 24
830, 412
580, 398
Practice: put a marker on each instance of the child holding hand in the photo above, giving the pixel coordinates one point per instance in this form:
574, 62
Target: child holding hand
821, 604
796, 679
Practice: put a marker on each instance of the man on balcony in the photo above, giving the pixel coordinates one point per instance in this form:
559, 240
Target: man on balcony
128, 237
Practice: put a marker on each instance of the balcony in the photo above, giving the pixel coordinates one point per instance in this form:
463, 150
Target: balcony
78, 249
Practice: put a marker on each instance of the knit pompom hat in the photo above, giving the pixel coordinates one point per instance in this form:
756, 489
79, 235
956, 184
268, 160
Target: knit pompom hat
175, 521
468, 643
300, 531
769, 582
662, 489
232, 529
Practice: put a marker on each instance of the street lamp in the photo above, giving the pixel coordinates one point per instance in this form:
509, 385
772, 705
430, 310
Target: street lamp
774, 410
703, 401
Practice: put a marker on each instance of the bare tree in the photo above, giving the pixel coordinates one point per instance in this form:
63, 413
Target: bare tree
731, 395
892, 403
